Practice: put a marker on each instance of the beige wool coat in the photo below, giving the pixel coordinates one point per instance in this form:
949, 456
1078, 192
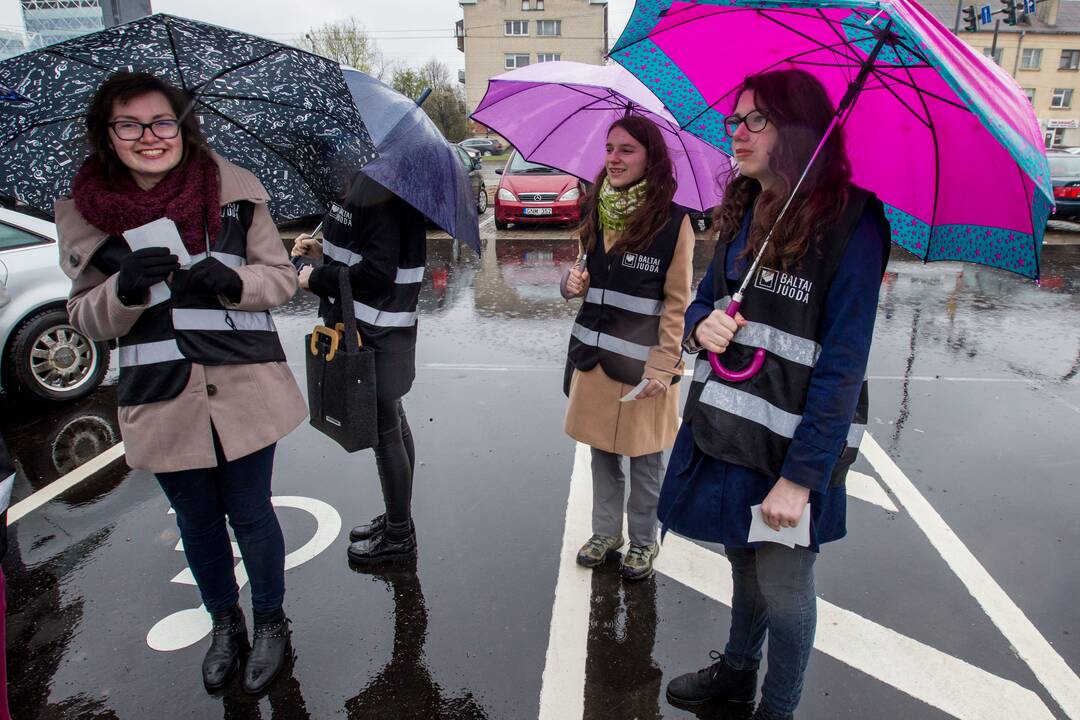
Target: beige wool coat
250, 406
595, 416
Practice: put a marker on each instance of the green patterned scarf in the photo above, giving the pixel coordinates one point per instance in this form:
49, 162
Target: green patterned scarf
616, 206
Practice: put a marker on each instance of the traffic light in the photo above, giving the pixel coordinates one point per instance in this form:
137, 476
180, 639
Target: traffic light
1010, 11
970, 23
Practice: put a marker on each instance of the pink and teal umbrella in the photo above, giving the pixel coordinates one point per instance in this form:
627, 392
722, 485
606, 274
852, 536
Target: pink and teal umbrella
942, 135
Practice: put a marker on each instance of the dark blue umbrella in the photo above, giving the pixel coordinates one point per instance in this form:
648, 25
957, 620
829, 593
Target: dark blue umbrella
282, 113
415, 161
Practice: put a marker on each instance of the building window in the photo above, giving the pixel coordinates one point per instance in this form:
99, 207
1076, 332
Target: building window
517, 27
1070, 60
525, 5
549, 27
539, 4
997, 54
548, 57
515, 60
1030, 92
1062, 98
1031, 59
1054, 137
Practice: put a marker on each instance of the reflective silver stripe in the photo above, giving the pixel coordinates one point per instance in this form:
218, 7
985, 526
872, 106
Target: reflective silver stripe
610, 343
340, 254
212, 319
633, 303
409, 276
382, 318
150, 353
233, 261
159, 293
776, 341
750, 407
855, 434
5, 491
702, 368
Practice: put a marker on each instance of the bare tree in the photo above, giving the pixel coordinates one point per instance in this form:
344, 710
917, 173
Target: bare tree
435, 73
348, 43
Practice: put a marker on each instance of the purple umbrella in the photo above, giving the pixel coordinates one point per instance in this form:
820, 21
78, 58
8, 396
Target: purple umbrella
945, 137
558, 114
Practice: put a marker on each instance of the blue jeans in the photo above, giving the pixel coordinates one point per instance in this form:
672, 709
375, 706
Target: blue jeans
239, 490
774, 591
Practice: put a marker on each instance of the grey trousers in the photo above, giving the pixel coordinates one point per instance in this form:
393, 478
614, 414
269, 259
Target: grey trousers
609, 495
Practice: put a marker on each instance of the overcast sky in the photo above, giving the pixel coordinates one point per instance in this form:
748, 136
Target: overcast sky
411, 31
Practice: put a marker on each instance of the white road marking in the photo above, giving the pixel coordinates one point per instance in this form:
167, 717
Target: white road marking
187, 627
65, 483
562, 690
1049, 667
934, 677
867, 489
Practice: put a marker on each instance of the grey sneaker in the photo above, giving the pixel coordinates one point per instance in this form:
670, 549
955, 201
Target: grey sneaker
593, 552
637, 565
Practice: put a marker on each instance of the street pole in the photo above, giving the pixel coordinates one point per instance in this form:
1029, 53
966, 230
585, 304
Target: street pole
959, 11
993, 45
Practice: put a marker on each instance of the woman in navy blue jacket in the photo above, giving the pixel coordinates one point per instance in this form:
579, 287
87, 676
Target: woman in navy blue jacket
785, 437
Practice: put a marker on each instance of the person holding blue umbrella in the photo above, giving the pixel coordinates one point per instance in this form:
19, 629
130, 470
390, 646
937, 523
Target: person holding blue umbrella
783, 437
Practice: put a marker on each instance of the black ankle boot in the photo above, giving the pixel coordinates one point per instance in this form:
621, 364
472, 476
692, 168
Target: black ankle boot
719, 681
269, 652
228, 644
383, 547
376, 526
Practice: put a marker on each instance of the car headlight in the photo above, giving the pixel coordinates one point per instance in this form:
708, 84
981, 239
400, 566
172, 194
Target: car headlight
505, 194
571, 194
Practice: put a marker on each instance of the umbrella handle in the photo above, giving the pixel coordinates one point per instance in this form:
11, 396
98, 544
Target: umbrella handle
747, 372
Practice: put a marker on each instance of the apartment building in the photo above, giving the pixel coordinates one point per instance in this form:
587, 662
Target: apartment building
53, 21
1042, 51
501, 35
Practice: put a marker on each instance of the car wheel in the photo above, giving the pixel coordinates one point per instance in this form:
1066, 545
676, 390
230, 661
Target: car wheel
500, 225
52, 361
481, 201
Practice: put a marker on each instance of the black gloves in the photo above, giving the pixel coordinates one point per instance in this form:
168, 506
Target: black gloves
213, 276
140, 270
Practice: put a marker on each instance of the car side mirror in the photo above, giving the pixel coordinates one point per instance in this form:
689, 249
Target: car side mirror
498, 171
476, 162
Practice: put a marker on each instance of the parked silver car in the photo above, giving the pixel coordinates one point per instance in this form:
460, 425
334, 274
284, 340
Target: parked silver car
41, 355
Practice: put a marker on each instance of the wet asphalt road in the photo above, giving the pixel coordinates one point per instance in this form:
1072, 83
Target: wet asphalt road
975, 396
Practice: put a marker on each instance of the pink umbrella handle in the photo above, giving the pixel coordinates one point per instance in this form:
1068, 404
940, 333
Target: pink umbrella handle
747, 372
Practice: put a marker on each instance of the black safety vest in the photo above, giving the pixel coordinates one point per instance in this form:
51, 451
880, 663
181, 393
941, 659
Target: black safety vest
181, 326
387, 322
752, 423
618, 325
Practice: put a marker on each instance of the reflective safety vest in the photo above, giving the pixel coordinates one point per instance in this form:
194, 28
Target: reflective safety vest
752, 423
619, 323
182, 326
358, 226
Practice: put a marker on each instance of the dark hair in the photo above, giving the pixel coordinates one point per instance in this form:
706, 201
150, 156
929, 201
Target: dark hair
653, 214
122, 87
798, 106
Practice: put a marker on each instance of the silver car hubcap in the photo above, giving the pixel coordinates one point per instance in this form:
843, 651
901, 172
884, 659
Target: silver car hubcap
61, 359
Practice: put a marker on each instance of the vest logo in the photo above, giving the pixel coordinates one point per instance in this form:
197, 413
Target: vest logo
231, 211
340, 215
646, 263
784, 285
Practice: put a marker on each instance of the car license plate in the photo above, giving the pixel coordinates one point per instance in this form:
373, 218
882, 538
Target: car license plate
537, 211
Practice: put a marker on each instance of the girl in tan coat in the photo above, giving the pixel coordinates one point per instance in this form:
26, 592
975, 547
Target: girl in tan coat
204, 393
625, 347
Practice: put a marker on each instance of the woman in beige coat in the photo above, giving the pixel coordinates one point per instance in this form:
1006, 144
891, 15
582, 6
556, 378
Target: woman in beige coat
625, 347
204, 391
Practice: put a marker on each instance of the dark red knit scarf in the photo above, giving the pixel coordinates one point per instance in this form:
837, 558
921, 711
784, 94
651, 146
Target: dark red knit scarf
190, 196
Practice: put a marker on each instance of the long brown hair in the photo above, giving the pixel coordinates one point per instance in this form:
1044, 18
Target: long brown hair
650, 218
798, 106
122, 87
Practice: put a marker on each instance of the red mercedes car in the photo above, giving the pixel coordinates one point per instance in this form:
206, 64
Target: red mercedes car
532, 193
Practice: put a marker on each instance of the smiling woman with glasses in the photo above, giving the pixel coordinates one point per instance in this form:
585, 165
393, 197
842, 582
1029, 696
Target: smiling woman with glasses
204, 390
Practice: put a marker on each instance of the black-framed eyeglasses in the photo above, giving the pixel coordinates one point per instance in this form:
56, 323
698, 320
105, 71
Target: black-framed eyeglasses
755, 122
130, 130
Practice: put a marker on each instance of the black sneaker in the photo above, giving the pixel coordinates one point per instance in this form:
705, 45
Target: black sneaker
376, 526
719, 681
380, 548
